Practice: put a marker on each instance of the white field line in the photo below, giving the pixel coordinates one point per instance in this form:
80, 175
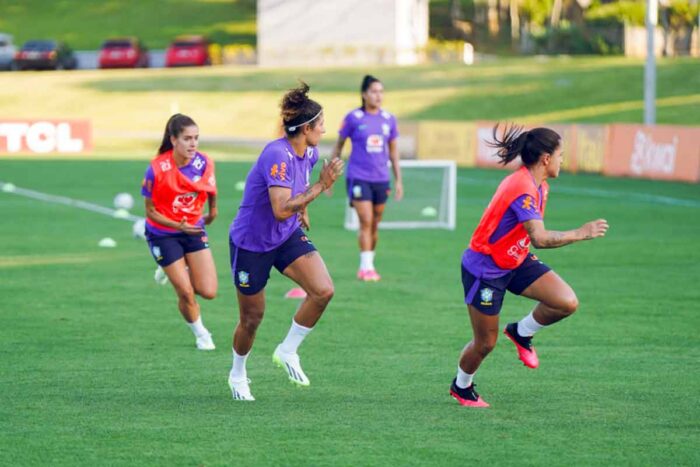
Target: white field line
76, 203
608, 194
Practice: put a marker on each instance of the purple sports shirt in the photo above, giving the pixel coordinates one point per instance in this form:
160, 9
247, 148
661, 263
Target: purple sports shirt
370, 135
193, 170
255, 228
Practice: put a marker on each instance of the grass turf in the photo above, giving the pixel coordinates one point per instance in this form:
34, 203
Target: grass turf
85, 25
96, 366
128, 108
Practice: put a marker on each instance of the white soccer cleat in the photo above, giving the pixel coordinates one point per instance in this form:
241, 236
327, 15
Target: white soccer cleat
205, 342
290, 363
240, 390
160, 276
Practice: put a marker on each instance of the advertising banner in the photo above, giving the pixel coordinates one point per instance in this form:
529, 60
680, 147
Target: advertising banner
45, 137
658, 152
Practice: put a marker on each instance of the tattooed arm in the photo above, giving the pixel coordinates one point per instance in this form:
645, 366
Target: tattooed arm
285, 206
543, 238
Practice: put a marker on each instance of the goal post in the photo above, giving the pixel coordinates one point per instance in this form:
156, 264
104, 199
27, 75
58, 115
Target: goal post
429, 202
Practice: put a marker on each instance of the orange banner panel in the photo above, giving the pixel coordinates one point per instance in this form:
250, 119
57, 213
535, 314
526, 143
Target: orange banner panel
659, 152
45, 137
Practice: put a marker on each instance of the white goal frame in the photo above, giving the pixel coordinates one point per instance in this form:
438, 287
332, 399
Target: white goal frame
448, 209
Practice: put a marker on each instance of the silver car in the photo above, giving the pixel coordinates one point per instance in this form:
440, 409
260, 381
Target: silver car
7, 52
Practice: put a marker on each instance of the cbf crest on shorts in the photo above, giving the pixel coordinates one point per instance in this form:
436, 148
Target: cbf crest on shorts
243, 279
357, 191
156, 253
486, 296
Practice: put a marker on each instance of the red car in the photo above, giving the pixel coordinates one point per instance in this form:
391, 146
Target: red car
124, 53
188, 51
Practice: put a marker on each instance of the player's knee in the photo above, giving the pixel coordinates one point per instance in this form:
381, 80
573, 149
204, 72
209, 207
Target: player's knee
251, 321
485, 347
324, 294
208, 293
186, 296
570, 305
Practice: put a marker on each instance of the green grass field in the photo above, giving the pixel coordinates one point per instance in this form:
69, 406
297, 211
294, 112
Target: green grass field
97, 367
128, 108
85, 24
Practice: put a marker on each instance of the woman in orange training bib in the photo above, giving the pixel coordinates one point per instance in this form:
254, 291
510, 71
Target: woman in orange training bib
498, 257
178, 182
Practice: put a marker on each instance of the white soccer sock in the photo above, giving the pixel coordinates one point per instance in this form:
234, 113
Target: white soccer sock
198, 328
367, 260
464, 379
295, 336
238, 371
528, 326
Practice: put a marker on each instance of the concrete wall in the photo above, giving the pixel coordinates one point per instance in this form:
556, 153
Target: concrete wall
341, 32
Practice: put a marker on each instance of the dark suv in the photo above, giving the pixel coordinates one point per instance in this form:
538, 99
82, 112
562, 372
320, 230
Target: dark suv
45, 55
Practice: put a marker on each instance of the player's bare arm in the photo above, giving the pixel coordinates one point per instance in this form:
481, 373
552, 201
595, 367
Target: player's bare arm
213, 210
543, 238
398, 179
338, 148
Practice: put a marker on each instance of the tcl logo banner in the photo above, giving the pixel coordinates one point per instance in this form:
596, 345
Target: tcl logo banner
45, 136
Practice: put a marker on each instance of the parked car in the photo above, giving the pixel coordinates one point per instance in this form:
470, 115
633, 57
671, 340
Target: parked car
7, 52
45, 55
188, 51
127, 52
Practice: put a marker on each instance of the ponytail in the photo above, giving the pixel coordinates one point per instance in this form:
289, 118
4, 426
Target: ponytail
174, 127
529, 145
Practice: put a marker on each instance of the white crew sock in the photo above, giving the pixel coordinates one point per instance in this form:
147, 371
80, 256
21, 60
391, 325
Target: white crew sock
295, 336
198, 328
464, 379
367, 260
238, 371
528, 326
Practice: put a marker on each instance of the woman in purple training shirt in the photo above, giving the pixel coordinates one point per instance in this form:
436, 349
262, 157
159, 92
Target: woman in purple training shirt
267, 232
373, 133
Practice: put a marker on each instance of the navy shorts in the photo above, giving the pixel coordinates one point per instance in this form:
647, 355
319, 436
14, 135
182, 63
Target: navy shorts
251, 270
360, 190
166, 249
486, 295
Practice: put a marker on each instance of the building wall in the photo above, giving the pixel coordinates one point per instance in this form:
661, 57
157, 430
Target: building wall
340, 32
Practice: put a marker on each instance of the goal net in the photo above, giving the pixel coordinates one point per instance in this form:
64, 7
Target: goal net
429, 201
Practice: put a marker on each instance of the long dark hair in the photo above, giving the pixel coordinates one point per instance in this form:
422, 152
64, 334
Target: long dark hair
174, 127
529, 145
298, 109
367, 81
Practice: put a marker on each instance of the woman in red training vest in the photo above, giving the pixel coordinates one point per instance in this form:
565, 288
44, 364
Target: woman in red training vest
178, 182
498, 257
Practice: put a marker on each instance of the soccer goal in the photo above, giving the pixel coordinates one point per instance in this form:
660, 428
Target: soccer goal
429, 202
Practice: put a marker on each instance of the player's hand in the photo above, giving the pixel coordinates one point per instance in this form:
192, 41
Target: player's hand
594, 229
304, 219
330, 172
189, 229
398, 192
211, 215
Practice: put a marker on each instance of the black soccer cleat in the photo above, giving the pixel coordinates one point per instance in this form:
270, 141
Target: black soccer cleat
468, 396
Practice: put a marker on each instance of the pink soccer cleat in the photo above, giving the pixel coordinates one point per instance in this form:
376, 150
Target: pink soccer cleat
468, 396
368, 275
526, 351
